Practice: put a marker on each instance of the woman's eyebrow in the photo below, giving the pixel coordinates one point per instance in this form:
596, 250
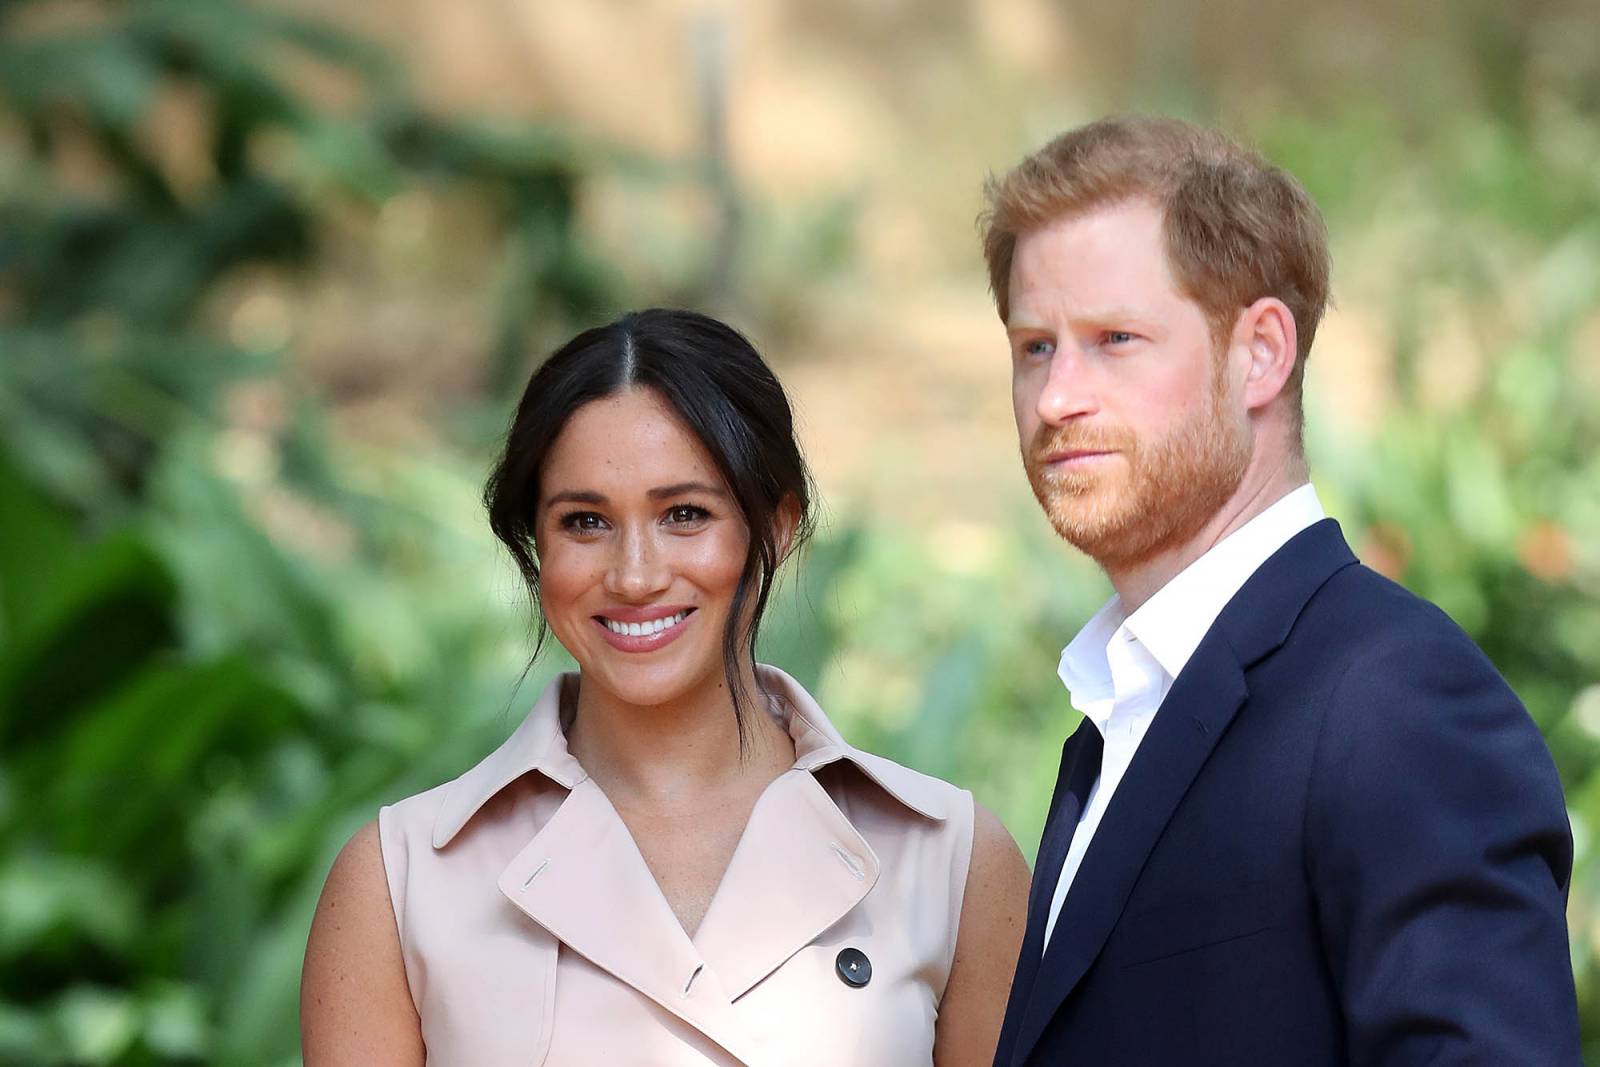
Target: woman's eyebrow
680, 488
574, 496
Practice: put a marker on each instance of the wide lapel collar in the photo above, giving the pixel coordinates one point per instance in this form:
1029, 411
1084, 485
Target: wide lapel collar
800, 867
1201, 704
537, 744
583, 878
818, 743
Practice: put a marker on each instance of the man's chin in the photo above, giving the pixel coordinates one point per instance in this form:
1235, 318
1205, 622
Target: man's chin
1096, 532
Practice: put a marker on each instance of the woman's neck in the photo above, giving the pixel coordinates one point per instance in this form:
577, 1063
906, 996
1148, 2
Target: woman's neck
679, 756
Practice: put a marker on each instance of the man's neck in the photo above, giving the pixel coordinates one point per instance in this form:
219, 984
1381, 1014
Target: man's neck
1259, 489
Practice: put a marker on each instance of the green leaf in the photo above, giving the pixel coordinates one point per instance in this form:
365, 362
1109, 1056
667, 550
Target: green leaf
50, 896
97, 619
38, 535
149, 750
99, 1024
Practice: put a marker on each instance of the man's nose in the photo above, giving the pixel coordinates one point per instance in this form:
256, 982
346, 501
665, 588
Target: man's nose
1069, 390
637, 569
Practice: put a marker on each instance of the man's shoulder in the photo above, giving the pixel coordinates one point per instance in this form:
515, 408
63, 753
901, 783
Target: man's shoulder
1359, 612
1380, 660
1363, 644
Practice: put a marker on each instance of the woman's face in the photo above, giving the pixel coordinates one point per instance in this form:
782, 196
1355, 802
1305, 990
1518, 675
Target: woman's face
640, 550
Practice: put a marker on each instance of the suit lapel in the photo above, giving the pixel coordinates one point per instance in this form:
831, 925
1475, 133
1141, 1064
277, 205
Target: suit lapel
1202, 703
1194, 715
1065, 811
1062, 822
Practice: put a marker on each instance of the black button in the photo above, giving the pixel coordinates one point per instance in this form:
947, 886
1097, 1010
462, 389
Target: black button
853, 966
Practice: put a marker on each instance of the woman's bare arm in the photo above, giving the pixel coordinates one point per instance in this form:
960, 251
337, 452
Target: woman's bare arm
355, 1005
994, 914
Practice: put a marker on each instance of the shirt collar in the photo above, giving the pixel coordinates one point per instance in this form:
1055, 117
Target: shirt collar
539, 744
1170, 625
1085, 668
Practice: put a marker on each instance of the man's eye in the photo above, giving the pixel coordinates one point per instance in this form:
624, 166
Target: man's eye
1118, 337
1038, 349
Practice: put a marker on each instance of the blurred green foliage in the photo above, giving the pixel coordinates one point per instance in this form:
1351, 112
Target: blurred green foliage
226, 638
190, 714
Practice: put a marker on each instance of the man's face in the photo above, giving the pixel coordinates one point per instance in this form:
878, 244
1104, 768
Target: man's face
1131, 430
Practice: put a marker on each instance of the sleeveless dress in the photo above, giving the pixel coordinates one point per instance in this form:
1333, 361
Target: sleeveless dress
533, 932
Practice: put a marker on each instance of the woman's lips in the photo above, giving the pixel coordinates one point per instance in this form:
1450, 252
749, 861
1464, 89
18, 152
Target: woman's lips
640, 619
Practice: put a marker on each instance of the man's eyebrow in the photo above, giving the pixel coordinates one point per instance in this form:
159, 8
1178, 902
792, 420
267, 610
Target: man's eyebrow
680, 488
1024, 323
1111, 315
574, 496
1097, 316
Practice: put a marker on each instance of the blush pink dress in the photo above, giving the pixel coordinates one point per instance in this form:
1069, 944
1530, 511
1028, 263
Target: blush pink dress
534, 933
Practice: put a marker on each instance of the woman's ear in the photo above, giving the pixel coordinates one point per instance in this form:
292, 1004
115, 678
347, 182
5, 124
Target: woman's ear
785, 521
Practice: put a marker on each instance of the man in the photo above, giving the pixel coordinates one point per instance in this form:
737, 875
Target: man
1304, 821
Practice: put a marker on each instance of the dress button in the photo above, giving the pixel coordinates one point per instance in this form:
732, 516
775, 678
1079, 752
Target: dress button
853, 966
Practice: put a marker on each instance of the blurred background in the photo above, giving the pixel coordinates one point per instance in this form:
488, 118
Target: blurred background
272, 276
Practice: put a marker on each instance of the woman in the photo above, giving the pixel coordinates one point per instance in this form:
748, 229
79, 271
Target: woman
675, 859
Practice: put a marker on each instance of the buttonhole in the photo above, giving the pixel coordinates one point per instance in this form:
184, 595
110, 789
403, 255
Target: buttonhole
536, 872
850, 862
690, 983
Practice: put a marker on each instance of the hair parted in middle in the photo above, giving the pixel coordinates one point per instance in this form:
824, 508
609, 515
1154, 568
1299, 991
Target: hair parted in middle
727, 397
1237, 228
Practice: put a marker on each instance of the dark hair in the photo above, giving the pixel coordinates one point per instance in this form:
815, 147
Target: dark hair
717, 383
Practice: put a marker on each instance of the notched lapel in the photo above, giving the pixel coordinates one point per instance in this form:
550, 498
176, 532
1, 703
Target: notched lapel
1195, 714
800, 867
1203, 702
583, 878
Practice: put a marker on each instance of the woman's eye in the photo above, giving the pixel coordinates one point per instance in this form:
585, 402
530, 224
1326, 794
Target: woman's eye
686, 515
583, 522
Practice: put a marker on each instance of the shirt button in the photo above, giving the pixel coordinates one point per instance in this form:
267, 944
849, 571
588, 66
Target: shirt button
853, 966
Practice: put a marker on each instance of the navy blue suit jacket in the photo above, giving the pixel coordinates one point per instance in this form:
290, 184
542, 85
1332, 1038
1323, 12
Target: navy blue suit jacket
1342, 841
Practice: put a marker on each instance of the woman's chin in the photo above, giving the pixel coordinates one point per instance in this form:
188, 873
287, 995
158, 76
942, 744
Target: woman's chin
649, 684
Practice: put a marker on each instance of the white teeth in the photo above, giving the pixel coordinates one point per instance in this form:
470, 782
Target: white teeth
644, 629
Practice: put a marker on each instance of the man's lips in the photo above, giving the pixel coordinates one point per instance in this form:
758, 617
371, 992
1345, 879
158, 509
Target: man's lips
1076, 455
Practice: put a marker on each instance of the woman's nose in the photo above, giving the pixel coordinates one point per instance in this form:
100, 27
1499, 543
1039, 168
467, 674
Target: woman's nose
637, 568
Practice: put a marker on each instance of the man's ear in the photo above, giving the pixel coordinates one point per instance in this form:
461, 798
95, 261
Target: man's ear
785, 521
1266, 332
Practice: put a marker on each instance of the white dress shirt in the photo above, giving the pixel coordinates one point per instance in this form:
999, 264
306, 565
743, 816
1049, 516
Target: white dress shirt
1120, 667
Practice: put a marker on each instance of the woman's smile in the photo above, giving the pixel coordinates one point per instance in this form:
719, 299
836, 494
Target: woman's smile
643, 629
